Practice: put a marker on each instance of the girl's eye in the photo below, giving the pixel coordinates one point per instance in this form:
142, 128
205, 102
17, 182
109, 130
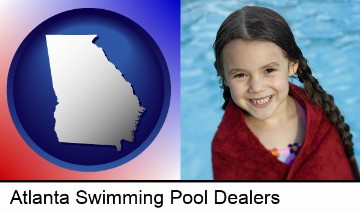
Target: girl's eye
269, 70
239, 75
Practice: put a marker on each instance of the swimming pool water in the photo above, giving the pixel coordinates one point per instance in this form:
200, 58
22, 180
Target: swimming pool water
328, 33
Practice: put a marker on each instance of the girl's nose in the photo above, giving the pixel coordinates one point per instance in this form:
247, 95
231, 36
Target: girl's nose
256, 85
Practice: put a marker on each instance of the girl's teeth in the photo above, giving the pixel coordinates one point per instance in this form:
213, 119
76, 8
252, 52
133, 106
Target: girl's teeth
262, 101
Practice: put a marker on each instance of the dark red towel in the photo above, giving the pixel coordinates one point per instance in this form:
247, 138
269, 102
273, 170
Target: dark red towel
237, 153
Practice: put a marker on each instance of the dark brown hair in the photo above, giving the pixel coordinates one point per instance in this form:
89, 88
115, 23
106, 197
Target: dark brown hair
259, 23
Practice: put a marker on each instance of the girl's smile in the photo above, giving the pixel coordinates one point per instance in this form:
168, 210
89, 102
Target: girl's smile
261, 102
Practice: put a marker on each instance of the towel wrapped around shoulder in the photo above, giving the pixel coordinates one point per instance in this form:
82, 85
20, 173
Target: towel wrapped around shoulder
237, 153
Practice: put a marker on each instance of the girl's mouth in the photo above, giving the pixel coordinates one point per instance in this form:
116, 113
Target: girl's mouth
261, 101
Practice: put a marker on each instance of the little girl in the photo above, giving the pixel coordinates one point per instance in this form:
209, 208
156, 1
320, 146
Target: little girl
273, 129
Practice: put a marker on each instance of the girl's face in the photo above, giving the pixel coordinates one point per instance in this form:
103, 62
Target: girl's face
257, 74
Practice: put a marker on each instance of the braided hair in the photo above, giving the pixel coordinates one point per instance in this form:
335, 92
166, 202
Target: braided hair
259, 23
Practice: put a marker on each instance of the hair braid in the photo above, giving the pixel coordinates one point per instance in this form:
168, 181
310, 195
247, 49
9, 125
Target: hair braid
226, 96
314, 90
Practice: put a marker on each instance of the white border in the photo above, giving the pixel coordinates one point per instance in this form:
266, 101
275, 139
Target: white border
294, 196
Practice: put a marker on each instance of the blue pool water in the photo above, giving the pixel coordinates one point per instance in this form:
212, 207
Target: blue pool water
328, 32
